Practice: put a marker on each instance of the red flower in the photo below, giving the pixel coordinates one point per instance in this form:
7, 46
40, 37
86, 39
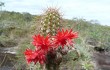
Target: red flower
40, 57
35, 56
65, 37
42, 42
29, 55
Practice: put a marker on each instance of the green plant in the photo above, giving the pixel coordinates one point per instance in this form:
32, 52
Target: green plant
52, 44
51, 21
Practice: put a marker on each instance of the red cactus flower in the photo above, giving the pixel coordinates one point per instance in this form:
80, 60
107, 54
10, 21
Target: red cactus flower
40, 57
65, 37
42, 42
29, 55
35, 56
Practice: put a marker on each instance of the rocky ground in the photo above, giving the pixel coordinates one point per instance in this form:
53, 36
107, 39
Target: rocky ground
101, 60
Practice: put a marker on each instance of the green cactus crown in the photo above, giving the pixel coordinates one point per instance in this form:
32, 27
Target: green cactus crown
50, 22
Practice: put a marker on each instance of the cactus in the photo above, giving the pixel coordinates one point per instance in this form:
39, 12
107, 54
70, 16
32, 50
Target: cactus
50, 21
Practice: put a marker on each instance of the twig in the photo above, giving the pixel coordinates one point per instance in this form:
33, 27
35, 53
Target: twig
3, 61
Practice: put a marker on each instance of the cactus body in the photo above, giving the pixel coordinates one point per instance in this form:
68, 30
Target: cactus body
51, 21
